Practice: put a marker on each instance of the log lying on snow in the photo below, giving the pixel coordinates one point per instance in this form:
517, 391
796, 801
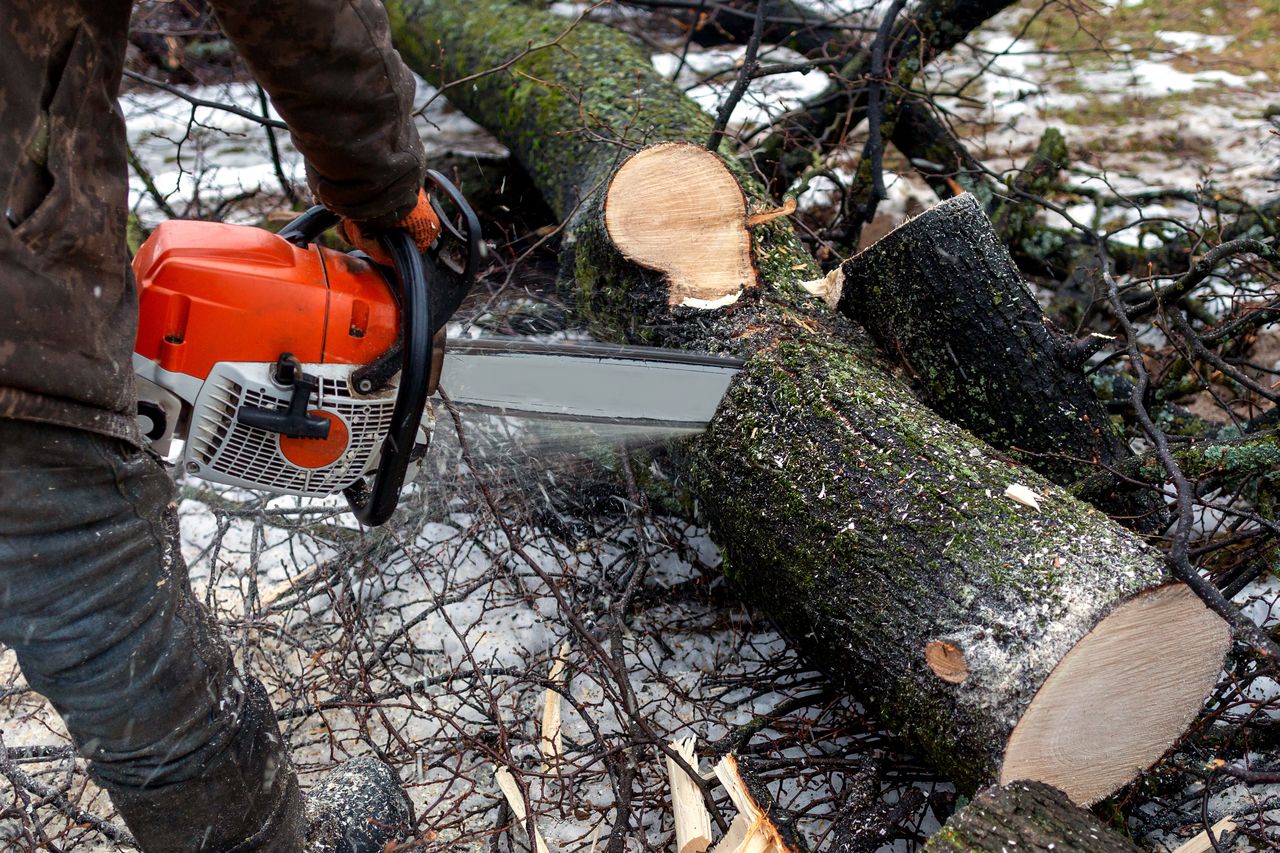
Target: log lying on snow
871, 530
1026, 816
942, 295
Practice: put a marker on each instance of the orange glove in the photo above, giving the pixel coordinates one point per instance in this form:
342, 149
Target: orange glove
422, 224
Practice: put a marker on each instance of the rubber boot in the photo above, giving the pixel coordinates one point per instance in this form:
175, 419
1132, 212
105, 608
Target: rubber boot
357, 808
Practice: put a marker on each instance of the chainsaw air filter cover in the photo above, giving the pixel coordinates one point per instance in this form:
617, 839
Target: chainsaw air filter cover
237, 322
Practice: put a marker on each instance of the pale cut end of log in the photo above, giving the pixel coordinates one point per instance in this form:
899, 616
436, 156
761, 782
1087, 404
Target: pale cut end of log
947, 661
693, 824
1121, 696
677, 209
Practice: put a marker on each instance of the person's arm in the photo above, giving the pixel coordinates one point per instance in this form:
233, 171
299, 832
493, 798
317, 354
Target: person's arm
347, 97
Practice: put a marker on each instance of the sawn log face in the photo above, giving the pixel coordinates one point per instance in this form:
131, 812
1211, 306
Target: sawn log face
863, 523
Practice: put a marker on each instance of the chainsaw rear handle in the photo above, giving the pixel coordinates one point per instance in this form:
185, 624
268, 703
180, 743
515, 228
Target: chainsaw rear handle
452, 264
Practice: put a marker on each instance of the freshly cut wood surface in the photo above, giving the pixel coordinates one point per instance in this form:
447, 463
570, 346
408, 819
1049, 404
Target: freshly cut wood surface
675, 208
1030, 817
1126, 691
693, 824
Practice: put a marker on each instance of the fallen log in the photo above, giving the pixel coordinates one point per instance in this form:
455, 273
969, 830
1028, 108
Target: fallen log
1026, 816
1001, 641
942, 295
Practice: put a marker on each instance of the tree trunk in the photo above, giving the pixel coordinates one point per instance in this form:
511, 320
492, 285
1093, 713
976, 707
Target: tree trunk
875, 533
942, 295
1026, 816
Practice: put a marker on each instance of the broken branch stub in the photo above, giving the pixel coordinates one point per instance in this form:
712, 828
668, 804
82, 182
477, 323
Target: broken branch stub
752, 830
677, 209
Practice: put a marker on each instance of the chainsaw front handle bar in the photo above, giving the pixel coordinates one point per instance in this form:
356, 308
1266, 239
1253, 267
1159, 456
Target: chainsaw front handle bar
374, 504
431, 287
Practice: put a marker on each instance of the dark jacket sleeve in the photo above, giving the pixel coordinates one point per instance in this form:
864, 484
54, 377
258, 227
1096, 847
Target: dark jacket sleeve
346, 95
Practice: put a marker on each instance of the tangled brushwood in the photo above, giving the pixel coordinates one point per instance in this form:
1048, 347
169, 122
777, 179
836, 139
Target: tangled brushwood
1006, 281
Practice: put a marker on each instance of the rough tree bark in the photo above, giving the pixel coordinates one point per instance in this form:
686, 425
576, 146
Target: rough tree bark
874, 532
1026, 816
942, 294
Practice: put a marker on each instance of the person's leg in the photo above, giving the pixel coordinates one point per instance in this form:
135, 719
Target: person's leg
95, 600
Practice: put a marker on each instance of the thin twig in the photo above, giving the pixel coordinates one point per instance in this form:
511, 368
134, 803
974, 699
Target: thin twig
740, 85
201, 102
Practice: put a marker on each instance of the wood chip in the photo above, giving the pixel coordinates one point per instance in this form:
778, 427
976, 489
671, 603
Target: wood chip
550, 742
515, 801
828, 288
1200, 843
1019, 493
693, 824
788, 208
278, 591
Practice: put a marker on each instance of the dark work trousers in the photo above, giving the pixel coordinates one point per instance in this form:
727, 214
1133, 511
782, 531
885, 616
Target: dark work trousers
95, 600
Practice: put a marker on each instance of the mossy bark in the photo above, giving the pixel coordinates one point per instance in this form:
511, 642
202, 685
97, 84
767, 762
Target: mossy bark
942, 295
863, 523
1026, 816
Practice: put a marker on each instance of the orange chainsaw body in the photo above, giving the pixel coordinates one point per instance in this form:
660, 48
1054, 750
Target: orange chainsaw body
210, 292
269, 362
219, 307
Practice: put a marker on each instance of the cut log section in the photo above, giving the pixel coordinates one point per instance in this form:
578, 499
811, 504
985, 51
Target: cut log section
1026, 816
675, 208
942, 295
866, 526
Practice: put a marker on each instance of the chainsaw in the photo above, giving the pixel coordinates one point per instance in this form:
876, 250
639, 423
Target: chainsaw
272, 362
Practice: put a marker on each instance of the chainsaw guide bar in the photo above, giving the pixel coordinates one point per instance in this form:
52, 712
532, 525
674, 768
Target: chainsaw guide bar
587, 382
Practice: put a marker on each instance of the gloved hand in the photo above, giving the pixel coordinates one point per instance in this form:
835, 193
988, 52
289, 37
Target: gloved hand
422, 224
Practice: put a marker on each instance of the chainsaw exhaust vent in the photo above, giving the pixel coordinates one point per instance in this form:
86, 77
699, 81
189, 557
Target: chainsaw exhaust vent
226, 451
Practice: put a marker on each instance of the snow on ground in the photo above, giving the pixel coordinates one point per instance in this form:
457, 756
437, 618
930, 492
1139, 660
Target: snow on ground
429, 641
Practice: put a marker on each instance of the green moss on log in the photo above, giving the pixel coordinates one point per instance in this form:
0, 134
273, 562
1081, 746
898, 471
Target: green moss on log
1026, 816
